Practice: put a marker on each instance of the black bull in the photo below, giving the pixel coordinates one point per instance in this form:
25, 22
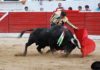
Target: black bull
49, 37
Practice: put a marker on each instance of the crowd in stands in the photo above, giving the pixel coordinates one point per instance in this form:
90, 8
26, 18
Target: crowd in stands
79, 8
98, 9
86, 8
70, 8
50, 0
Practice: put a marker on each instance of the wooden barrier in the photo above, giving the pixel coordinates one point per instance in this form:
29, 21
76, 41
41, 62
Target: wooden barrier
4, 23
19, 21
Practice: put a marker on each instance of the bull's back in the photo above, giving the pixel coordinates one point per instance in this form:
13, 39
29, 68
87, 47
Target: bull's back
40, 36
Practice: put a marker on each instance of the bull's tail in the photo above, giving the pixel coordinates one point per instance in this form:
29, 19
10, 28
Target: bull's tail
21, 34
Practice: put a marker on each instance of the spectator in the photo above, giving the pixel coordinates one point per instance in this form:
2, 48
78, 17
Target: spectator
41, 2
98, 9
26, 8
80, 8
60, 0
60, 6
50, 0
70, 8
87, 8
41, 9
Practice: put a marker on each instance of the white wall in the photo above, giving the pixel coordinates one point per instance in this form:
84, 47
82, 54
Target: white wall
11, 6
48, 6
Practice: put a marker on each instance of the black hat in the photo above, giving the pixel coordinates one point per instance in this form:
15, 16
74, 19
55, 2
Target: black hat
86, 6
95, 65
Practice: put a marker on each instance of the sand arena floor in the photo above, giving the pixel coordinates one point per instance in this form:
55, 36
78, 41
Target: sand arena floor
35, 61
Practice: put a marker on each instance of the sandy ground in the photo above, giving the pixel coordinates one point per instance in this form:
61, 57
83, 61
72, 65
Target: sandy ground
35, 61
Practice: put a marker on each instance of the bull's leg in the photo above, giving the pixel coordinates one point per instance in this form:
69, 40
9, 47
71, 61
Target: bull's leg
30, 41
52, 49
48, 51
68, 49
66, 53
39, 49
25, 51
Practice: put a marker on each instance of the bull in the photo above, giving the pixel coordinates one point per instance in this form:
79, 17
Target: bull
48, 37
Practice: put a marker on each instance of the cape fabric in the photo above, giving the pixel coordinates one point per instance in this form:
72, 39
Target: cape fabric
87, 45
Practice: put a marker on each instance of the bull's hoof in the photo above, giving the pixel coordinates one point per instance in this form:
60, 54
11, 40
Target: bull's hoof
48, 51
40, 52
20, 55
66, 54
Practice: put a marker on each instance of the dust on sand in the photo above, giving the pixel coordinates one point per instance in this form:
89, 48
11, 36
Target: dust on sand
35, 61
